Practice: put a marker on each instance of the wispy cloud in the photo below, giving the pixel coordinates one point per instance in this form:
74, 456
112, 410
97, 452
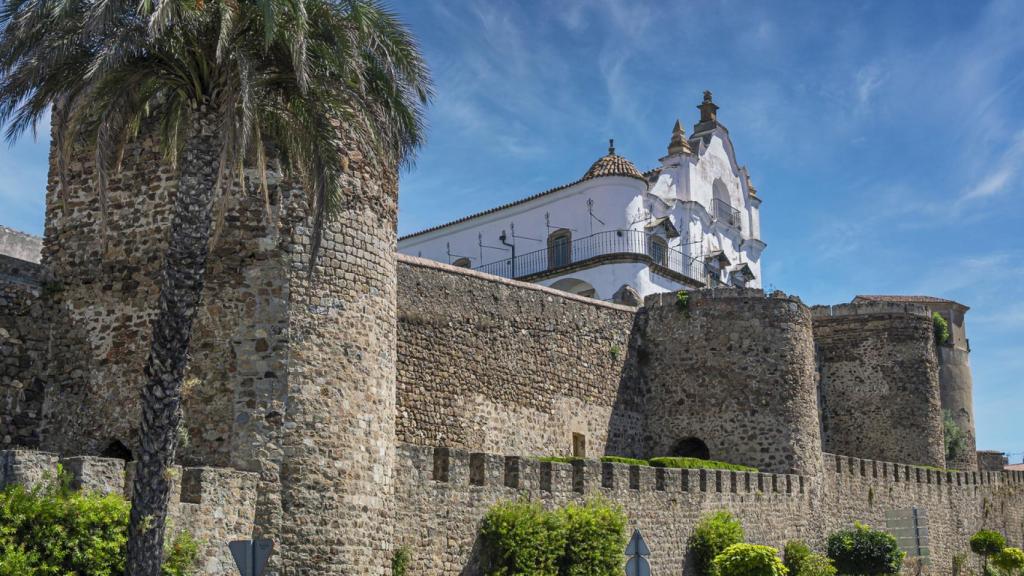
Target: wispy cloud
1003, 173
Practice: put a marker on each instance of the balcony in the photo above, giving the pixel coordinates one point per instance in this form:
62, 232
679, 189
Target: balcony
726, 214
611, 245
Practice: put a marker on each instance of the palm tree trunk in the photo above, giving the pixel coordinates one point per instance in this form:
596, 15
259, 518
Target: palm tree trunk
183, 277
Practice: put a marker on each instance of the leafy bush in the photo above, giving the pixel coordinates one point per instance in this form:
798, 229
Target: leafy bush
941, 328
595, 540
1009, 560
51, 530
816, 565
985, 543
953, 436
560, 459
749, 560
521, 538
682, 462
624, 460
794, 554
400, 561
683, 300
712, 535
863, 551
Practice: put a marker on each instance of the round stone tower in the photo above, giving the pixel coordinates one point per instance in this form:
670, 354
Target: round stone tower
728, 374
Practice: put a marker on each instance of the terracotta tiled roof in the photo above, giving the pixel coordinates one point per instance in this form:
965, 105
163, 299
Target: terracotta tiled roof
613, 165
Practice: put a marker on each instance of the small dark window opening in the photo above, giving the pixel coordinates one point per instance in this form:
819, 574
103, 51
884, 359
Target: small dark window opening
659, 250
559, 248
117, 450
579, 445
691, 448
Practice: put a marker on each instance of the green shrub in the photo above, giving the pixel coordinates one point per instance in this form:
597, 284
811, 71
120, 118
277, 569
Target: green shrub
749, 560
560, 459
51, 530
816, 565
941, 328
400, 561
862, 551
682, 462
595, 540
624, 460
683, 300
953, 436
985, 543
712, 535
1009, 561
794, 554
521, 538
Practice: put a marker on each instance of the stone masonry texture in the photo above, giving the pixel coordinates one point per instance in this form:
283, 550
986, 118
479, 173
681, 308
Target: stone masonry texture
373, 400
879, 382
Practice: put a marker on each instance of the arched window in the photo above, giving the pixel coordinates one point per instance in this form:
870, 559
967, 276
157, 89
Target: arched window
722, 207
691, 448
559, 248
461, 263
657, 249
574, 286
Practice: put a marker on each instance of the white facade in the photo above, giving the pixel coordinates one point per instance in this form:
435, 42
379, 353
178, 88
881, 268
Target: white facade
693, 221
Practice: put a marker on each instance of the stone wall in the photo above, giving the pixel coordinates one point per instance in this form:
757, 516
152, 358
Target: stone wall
215, 505
879, 383
19, 245
497, 365
23, 340
444, 493
735, 370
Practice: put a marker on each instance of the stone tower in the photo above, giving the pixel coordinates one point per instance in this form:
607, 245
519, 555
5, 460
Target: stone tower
730, 376
956, 388
291, 372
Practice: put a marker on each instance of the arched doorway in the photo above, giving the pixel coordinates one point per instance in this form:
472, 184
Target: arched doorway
117, 450
574, 286
691, 447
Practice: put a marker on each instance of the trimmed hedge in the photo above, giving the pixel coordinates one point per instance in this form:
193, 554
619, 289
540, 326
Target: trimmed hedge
52, 530
985, 543
522, 538
1009, 560
862, 551
682, 462
712, 535
624, 460
748, 560
560, 459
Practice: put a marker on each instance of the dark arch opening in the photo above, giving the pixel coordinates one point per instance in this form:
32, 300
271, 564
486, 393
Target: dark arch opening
691, 448
117, 450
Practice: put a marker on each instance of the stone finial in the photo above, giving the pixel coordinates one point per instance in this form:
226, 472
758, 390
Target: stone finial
708, 109
611, 147
679, 143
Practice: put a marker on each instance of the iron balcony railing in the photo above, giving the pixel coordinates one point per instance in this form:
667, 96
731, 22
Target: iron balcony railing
727, 214
561, 253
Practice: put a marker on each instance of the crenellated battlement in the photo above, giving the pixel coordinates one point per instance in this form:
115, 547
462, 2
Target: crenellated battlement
215, 505
464, 469
868, 309
909, 473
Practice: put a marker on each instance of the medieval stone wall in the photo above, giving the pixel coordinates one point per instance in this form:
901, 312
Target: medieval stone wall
215, 505
491, 364
23, 344
879, 383
733, 369
443, 494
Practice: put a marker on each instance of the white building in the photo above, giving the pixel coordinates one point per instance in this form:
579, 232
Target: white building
619, 234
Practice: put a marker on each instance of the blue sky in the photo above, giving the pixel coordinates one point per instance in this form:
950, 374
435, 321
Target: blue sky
886, 138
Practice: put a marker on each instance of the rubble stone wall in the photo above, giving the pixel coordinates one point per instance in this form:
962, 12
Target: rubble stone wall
879, 383
733, 369
215, 505
496, 365
443, 495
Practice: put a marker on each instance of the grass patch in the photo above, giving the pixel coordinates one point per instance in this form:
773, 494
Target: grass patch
560, 459
677, 462
624, 460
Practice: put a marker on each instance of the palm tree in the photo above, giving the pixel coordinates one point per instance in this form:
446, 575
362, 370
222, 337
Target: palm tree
219, 81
